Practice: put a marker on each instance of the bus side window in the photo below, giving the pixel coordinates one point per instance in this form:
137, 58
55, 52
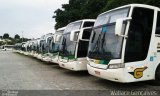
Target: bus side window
88, 24
158, 24
82, 48
86, 33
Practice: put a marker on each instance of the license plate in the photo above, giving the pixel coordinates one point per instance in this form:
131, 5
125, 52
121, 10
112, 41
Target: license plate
97, 73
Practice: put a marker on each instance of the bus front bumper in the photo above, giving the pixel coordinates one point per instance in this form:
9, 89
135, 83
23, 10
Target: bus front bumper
74, 65
39, 57
55, 60
47, 59
116, 75
35, 55
26, 53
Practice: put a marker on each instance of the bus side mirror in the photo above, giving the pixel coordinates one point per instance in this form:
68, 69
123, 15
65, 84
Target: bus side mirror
73, 36
119, 25
54, 38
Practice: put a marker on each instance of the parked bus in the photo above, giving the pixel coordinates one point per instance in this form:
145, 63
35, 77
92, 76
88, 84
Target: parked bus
124, 45
31, 47
47, 49
37, 47
56, 44
7, 47
41, 47
27, 48
74, 45
18, 47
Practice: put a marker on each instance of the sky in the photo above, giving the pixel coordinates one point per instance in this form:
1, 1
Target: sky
33, 18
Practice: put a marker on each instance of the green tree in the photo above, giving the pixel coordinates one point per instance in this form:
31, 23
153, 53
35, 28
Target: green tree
1, 43
16, 36
6, 36
90, 9
69, 13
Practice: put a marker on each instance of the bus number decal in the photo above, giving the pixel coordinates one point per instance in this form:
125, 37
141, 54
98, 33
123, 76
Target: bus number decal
151, 58
138, 72
104, 29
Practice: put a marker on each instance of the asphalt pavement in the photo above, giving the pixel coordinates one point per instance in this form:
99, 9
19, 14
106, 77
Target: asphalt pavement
19, 72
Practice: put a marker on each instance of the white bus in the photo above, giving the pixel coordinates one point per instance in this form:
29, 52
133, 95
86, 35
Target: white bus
74, 45
31, 47
27, 48
41, 48
18, 47
46, 56
125, 44
55, 45
7, 47
36, 47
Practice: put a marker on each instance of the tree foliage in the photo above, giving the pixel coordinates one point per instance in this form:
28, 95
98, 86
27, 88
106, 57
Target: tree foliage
16, 36
90, 9
6, 36
69, 13
6, 39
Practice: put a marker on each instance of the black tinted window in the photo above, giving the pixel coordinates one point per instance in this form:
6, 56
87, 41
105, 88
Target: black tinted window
86, 33
139, 35
158, 24
88, 24
82, 48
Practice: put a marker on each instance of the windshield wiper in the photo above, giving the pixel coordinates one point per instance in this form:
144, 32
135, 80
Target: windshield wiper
95, 53
99, 42
103, 39
99, 45
63, 50
94, 34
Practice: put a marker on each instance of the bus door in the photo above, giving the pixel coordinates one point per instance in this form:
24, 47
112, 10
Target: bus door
137, 52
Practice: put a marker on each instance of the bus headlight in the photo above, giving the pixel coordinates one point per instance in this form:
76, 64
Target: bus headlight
116, 66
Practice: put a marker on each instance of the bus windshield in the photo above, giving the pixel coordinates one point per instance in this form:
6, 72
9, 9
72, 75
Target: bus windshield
54, 47
68, 47
73, 26
105, 45
48, 43
42, 46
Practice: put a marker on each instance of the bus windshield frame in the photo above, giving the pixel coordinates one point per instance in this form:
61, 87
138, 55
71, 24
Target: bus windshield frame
68, 48
105, 45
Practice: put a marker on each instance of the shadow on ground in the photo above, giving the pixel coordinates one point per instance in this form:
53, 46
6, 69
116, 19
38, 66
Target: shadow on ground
77, 73
123, 86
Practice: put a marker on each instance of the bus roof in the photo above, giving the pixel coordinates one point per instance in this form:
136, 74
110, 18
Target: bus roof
92, 20
133, 5
60, 29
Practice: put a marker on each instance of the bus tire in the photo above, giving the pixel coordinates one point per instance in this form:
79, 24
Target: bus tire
157, 77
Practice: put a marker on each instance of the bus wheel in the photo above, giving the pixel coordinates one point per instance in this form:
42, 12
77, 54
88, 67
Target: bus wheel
157, 77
